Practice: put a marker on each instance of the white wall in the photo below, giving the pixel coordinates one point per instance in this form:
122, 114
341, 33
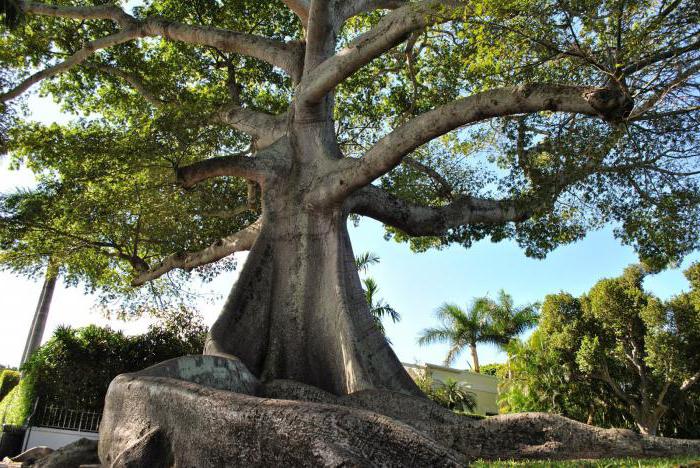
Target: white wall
54, 438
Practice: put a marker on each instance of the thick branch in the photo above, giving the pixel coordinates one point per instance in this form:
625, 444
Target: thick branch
389, 32
106, 12
238, 242
391, 149
356, 7
418, 220
75, 59
300, 8
286, 56
264, 128
264, 164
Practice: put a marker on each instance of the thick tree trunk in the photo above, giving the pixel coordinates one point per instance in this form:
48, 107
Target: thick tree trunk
298, 312
41, 314
475, 358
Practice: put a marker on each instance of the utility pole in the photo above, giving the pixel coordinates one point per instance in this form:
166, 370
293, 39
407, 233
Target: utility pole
36, 332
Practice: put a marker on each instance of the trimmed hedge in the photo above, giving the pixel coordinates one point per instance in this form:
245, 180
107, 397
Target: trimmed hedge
8, 380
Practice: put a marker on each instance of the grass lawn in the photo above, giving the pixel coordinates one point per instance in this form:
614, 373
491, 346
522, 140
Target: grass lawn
604, 463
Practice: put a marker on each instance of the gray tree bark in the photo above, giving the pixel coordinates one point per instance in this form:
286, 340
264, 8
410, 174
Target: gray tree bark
41, 314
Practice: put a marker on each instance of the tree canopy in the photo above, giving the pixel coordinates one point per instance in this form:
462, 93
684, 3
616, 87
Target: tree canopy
216, 126
171, 84
616, 354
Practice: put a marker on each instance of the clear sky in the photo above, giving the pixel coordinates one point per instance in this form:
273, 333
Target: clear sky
414, 284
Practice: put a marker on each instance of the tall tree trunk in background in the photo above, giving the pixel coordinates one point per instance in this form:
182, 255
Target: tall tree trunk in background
475, 358
36, 332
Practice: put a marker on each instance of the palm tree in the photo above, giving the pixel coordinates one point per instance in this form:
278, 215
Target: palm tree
486, 321
462, 329
377, 306
510, 321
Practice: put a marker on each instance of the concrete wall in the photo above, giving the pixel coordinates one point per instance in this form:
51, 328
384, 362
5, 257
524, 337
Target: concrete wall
484, 386
54, 438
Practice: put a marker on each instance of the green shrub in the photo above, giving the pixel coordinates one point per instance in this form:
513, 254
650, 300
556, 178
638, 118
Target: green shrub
75, 367
17, 404
8, 380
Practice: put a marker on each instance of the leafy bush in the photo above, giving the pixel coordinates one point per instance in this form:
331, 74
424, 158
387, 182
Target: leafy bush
75, 367
17, 404
8, 380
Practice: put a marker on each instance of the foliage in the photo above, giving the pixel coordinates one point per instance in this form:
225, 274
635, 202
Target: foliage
377, 306
492, 369
17, 405
577, 173
617, 356
8, 380
451, 394
74, 368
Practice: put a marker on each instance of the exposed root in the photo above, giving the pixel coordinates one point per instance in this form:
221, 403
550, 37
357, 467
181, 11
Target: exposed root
289, 423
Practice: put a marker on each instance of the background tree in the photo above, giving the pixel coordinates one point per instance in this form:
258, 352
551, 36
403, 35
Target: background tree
463, 329
616, 354
574, 115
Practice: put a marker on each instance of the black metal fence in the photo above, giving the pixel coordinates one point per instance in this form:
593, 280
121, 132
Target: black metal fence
61, 418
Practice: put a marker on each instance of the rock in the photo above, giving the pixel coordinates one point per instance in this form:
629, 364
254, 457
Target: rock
30, 456
223, 373
80, 452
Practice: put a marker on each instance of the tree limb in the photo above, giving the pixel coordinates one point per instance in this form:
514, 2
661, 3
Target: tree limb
264, 164
357, 7
286, 56
300, 8
389, 32
390, 150
264, 128
238, 242
75, 59
418, 220
106, 12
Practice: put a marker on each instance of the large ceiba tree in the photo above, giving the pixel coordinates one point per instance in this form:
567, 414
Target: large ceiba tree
446, 120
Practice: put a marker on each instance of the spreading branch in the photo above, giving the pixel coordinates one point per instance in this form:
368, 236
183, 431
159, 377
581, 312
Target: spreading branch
238, 242
300, 8
264, 128
264, 164
286, 56
418, 220
391, 30
390, 150
76, 59
356, 7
